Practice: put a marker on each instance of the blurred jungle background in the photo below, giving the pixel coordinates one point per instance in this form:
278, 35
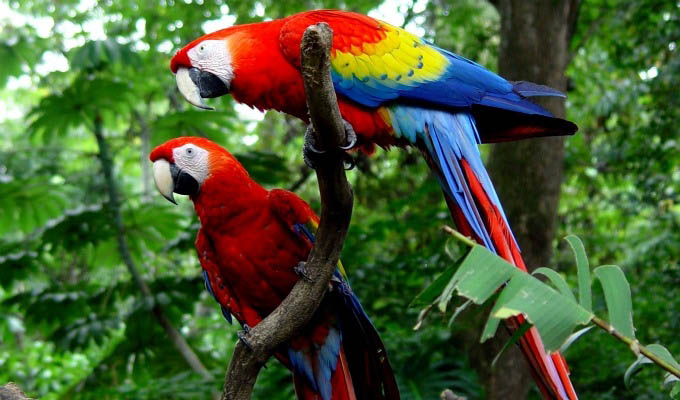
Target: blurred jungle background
86, 92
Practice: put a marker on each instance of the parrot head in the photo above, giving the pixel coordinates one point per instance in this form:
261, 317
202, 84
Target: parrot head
184, 165
204, 68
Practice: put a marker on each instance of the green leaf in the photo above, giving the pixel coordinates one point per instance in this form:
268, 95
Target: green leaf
659, 351
675, 392
557, 280
583, 269
489, 328
459, 310
482, 273
97, 54
574, 337
617, 295
663, 353
635, 368
554, 316
526, 325
436, 288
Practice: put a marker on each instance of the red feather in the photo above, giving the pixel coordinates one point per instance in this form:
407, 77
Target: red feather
248, 247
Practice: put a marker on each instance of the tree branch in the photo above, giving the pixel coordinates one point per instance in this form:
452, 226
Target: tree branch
336, 210
636, 347
114, 208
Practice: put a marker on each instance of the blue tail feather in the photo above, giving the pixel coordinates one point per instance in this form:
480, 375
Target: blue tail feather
449, 138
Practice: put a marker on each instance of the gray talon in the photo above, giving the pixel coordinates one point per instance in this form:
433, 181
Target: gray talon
242, 336
311, 154
350, 136
301, 270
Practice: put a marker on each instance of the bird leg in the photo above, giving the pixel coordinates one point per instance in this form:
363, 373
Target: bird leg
312, 156
242, 336
301, 270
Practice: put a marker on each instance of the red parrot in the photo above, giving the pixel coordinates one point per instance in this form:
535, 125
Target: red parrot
250, 244
393, 88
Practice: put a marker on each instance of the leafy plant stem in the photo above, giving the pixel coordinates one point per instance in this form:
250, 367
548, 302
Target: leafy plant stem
458, 235
635, 346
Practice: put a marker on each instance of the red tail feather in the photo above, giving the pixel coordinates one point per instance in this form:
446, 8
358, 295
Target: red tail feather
550, 372
343, 389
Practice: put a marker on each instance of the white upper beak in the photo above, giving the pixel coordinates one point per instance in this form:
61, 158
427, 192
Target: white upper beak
189, 89
163, 178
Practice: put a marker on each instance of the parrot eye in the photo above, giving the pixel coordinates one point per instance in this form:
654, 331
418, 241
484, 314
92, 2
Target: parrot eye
190, 151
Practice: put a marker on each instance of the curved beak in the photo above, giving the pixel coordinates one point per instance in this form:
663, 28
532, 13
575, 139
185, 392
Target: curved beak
195, 85
163, 179
170, 179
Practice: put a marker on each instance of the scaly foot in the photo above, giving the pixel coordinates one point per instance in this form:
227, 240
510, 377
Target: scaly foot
312, 156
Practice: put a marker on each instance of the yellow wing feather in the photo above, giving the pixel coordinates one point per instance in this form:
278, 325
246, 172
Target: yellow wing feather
399, 55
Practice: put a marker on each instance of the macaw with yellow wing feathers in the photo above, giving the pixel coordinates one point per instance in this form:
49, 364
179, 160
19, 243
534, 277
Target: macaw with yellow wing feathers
250, 245
394, 89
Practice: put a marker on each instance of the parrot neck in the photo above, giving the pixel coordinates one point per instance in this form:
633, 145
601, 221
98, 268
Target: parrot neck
263, 77
229, 201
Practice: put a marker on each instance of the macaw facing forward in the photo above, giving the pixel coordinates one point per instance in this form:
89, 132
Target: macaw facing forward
393, 89
250, 244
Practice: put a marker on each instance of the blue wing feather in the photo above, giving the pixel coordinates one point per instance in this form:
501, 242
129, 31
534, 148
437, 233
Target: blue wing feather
463, 84
208, 286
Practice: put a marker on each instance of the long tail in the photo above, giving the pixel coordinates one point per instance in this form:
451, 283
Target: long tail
341, 383
340, 355
450, 147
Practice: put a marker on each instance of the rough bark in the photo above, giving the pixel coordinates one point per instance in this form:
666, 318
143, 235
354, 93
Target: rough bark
11, 392
535, 38
336, 210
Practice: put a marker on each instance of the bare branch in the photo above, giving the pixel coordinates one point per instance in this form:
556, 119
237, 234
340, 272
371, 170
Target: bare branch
336, 210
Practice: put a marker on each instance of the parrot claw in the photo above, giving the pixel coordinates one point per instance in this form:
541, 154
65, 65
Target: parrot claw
242, 336
301, 270
350, 136
311, 154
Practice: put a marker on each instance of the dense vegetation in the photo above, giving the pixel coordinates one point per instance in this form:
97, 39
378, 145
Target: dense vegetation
72, 322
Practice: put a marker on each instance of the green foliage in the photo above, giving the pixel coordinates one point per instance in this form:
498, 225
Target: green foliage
28, 203
617, 294
583, 268
71, 323
98, 54
480, 273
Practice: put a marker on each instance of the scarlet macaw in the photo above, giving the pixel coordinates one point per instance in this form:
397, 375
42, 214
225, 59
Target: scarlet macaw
250, 243
393, 88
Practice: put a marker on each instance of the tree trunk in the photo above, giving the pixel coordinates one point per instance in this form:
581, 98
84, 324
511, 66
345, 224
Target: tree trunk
535, 38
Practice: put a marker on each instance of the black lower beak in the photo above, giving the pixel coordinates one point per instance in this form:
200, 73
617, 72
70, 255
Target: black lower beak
184, 183
209, 84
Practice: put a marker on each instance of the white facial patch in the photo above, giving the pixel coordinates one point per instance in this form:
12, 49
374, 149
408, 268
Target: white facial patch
192, 160
213, 56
